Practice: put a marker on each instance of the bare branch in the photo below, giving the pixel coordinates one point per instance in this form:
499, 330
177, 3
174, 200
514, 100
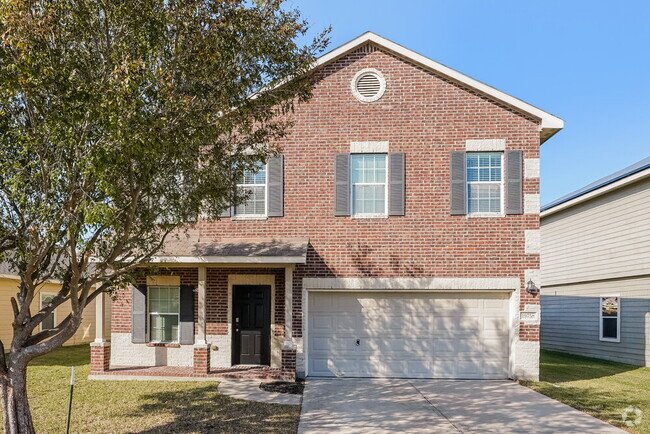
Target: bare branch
3, 361
46, 334
14, 306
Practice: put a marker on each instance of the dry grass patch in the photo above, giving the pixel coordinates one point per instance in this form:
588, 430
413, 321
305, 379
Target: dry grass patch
142, 406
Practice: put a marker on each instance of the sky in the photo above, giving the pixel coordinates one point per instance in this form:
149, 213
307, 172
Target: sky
587, 62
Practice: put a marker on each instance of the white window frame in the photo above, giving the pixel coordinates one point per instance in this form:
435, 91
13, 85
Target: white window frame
266, 197
618, 318
43, 295
501, 183
149, 313
356, 215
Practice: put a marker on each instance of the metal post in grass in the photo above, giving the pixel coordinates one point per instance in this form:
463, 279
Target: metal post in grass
67, 425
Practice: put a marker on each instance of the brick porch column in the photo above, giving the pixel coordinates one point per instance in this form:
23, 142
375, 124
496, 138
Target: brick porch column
288, 365
100, 356
288, 347
100, 349
201, 359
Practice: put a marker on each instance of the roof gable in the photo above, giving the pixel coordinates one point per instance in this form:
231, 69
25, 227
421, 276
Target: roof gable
549, 123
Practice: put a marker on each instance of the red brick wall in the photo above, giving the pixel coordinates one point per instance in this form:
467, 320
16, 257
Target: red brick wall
121, 306
425, 116
216, 297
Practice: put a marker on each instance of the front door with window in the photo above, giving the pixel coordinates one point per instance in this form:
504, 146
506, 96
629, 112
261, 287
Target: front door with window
251, 325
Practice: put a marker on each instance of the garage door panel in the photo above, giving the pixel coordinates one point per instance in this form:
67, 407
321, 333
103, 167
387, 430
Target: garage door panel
408, 335
321, 322
495, 324
343, 323
382, 322
494, 347
493, 303
382, 366
456, 323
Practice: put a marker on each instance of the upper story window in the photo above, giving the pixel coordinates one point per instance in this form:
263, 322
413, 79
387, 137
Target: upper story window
484, 182
368, 184
164, 312
254, 184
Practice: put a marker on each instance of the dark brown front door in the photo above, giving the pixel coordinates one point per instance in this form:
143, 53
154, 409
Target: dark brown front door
251, 323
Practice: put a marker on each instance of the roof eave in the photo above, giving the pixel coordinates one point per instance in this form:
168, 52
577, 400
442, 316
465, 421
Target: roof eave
228, 259
600, 190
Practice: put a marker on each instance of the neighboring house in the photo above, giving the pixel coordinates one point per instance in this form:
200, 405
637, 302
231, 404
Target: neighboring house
394, 237
596, 269
9, 282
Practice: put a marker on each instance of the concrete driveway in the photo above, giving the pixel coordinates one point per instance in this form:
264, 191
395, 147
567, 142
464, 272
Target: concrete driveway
441, 406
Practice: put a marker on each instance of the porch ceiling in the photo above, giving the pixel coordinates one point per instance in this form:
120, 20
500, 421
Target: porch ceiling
235, 250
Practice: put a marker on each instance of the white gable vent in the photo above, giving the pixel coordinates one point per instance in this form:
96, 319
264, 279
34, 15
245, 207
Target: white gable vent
368, 85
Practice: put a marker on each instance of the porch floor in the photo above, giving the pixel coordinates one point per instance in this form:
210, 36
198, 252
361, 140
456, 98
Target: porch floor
251, 372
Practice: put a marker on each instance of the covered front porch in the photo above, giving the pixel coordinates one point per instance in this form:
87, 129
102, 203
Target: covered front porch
234, 318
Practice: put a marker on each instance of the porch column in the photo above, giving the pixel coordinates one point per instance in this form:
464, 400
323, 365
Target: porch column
201, 311
201, 347
100, 320
100, 348
288, 306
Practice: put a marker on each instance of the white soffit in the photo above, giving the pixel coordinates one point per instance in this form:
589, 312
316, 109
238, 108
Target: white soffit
550, 124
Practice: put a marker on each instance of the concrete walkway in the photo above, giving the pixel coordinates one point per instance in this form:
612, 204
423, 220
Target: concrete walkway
440, 406
250, 391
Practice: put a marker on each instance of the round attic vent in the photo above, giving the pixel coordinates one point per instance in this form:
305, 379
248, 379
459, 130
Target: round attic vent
368, 85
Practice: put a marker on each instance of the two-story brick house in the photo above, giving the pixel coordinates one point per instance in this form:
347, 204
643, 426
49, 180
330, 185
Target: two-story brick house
395, 236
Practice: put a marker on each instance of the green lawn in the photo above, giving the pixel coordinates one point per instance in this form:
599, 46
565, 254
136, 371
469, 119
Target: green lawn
141, 406
601, 388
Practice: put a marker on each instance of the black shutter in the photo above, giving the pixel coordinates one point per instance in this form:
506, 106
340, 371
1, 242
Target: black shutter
186, 320
139, 314
396, 183
514, 182
275, 179
342, 187
458, 184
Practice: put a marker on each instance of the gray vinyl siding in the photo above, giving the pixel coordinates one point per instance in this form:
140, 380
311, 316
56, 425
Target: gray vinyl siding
570, 320
597, 248
606, 237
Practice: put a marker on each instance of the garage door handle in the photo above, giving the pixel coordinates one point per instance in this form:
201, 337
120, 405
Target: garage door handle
358, 342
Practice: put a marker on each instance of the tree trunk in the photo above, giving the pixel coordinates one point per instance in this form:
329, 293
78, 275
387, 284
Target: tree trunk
13, 389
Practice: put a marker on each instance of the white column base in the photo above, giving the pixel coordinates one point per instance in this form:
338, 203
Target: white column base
526, 360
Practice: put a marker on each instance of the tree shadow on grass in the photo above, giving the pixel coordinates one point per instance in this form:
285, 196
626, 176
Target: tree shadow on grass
205, 410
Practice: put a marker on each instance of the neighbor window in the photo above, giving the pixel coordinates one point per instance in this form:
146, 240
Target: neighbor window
369, 184
164, 306
485, 182
610, 319
48, 322
253, 184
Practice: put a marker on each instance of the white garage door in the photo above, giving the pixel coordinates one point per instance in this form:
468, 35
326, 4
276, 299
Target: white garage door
411, 335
